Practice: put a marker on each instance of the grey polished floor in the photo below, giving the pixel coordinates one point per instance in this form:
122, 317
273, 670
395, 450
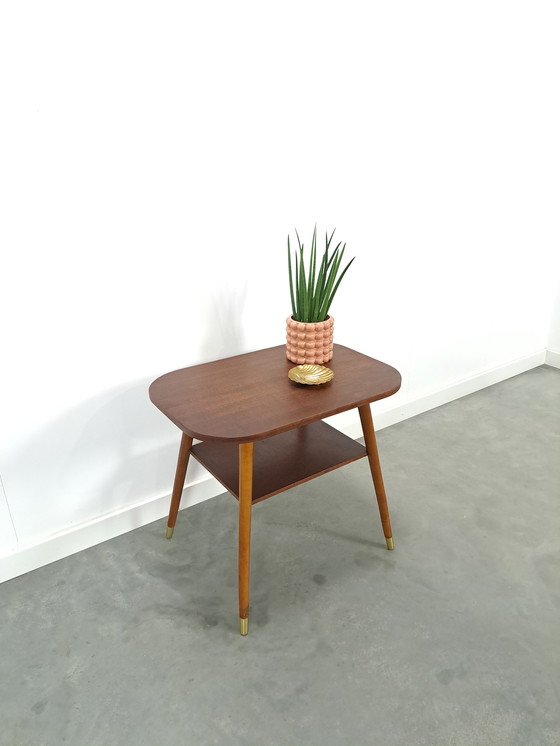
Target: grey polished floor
453, 639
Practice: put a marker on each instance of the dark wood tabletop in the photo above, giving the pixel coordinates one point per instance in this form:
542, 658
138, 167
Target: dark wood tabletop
250, 397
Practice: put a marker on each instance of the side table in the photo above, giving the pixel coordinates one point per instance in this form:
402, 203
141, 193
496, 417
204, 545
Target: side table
261, 433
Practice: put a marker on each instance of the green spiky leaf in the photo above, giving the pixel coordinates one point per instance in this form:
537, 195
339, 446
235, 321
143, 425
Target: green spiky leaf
312, 291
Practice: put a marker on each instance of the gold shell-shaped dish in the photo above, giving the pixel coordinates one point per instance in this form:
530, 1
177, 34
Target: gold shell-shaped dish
311, 375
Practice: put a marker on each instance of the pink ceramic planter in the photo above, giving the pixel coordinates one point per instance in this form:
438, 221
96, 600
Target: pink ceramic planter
309, 343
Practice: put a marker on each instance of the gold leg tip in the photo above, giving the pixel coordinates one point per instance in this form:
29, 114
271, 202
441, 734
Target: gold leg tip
169, 532
244, 626
390, 544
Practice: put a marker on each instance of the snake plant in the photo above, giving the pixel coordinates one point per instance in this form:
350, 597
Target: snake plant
312, 290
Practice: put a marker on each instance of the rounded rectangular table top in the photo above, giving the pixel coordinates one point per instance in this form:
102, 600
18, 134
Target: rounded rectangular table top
249, 397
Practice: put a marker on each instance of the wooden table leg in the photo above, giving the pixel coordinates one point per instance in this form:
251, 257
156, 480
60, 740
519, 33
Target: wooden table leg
375, 466
180, 474
245, 507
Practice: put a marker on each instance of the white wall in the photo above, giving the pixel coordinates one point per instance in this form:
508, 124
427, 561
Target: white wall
554, 333
8, 539
155, 157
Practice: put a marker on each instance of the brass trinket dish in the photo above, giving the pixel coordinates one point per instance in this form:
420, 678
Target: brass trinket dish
311, 375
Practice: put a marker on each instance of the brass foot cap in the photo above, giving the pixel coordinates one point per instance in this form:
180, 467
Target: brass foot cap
390, 544
244, 626
169, 532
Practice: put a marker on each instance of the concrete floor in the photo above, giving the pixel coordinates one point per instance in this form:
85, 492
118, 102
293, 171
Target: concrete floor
453, 639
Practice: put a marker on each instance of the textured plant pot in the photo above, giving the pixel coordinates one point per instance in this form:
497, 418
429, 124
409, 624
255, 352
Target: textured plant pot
309, 342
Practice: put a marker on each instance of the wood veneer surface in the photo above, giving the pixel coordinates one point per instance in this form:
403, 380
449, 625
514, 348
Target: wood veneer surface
283, 460
249, 397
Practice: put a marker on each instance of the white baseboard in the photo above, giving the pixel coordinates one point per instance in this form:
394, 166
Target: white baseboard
27, 558
552, 358
88, 534
389, 415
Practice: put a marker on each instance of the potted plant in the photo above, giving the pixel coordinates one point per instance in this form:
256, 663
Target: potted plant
309, 330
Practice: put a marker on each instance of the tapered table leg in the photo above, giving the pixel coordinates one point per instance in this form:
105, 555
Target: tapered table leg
375, 466
180, 474
245, 507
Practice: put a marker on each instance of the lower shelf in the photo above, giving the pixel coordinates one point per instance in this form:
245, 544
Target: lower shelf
282, 461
